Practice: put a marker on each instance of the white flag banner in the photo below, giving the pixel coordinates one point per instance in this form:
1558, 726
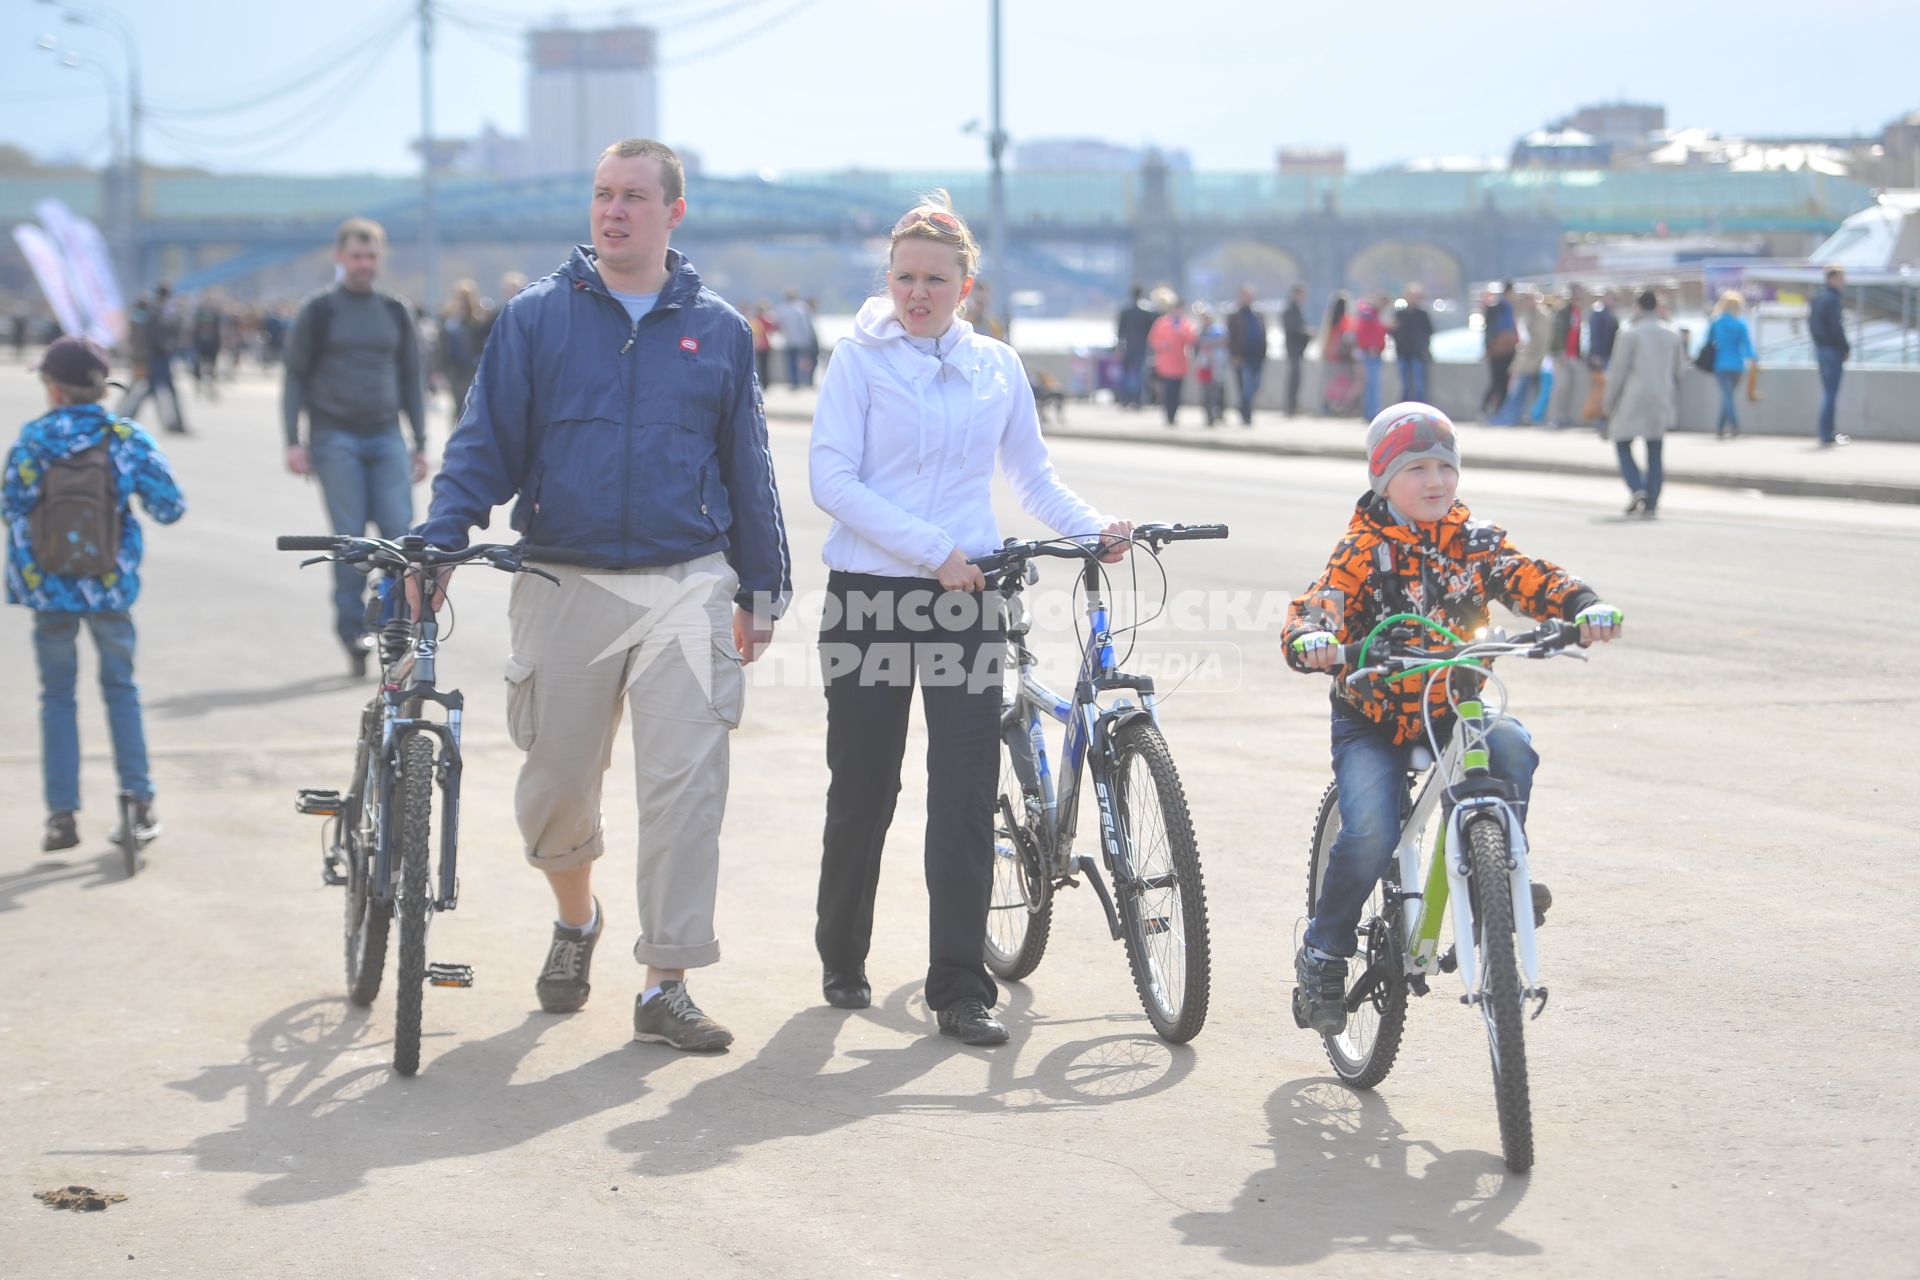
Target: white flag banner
50, 269
91, 271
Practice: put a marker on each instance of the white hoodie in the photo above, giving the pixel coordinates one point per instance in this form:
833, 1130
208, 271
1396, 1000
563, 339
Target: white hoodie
904, 447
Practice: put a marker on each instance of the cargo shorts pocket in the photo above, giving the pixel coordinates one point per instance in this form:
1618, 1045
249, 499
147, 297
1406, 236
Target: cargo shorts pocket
523, 720
728, 692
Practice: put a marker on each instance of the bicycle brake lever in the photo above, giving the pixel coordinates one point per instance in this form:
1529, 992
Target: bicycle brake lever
315, 560
538, 573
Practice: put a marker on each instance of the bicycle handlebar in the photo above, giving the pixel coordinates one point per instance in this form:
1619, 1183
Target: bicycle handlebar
1153, 536
1544, 641
408, 552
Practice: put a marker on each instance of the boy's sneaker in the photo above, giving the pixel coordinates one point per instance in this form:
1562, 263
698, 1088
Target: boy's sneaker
673, 1018
1320, 993
146, 825
562, 985
1542, 899
61, 832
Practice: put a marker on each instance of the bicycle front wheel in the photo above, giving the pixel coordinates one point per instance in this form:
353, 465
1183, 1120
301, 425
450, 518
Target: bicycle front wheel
416, 805
1499, 995
1163, 904
368, 918
1020, 910
1363, 1054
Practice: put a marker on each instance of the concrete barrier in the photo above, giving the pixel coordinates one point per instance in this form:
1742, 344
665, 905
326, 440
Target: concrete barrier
1877, 402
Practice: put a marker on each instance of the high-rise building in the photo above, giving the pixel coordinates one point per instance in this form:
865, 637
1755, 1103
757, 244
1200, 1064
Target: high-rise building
586, 89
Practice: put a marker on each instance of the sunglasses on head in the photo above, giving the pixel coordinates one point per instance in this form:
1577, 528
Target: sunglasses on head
930, 217
1412, 434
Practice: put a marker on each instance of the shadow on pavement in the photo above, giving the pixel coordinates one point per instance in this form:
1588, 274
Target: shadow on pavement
108, 868
1348, 1179
181, 705
785, 1091
315, 1126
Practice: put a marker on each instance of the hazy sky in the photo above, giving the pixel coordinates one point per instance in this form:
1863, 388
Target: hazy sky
788, 84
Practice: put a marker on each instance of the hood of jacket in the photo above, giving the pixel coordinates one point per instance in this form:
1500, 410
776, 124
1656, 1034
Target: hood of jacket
877, 326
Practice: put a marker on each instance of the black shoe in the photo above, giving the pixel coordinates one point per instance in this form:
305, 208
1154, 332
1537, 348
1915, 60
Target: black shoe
1542, 899
970, 1020
61, 832
846, 990
562, 985
357, 652
146, 825
1320, 993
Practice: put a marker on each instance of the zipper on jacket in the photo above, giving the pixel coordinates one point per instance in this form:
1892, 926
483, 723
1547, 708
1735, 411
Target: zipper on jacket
631, 336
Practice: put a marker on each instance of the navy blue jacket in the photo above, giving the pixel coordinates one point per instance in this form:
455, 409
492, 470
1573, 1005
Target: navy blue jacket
1825, 323
629, 444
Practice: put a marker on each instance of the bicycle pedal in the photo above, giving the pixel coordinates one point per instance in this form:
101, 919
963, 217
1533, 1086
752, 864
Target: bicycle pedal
1449, 961
449, 975
333, 871
324, 804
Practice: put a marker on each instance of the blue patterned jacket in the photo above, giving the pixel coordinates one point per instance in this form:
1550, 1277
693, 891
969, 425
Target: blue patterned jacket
142, 470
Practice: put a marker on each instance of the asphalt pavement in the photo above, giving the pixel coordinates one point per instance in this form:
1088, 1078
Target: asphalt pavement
1720, 1083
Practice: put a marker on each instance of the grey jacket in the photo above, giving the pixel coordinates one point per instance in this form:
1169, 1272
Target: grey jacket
1643, 380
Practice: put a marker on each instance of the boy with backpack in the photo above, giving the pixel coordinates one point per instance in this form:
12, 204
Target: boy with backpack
73, 557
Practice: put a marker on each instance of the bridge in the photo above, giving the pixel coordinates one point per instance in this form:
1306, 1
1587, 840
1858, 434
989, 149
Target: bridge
1093, 231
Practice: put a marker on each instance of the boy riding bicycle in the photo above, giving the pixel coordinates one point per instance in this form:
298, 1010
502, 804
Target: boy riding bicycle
1411, 547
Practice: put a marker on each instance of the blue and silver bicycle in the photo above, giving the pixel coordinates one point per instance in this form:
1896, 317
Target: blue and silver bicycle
1158, 904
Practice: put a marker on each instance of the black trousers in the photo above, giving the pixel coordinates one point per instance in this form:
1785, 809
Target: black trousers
883, 635
1293, 382
1498, 371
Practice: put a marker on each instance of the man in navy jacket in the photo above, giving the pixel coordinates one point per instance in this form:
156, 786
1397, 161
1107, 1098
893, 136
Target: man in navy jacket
1827, 326
616, 406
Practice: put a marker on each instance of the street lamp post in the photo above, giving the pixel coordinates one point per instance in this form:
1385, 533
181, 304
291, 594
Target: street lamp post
133, 268
429, 230
997, 195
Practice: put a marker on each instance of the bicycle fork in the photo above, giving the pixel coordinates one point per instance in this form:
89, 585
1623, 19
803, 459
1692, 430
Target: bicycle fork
1519, 886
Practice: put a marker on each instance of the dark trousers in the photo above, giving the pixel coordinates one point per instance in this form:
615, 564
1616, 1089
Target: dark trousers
1293, 382
1833, 363
1170, 396
1498, 370
1637, 481
1247, 380
884, 634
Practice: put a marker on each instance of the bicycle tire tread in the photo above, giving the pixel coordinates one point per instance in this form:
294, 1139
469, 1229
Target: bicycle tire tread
1142, 737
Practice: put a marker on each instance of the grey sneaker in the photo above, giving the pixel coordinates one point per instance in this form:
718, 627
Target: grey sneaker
563, 986
673, 1018
1320, 993
146, 825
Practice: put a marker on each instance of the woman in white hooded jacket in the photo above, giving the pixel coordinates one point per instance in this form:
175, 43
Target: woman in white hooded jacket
916, 409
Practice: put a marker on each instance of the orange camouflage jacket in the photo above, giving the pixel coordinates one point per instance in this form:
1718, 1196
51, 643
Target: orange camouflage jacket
1447, 572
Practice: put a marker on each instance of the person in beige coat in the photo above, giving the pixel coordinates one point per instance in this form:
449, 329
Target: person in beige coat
1643, 397
1536, 340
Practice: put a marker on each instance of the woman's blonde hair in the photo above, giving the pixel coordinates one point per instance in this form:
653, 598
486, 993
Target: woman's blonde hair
934, 219
1730, 304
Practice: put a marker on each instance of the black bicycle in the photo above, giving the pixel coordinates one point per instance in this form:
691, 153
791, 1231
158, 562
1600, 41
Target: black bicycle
378, 839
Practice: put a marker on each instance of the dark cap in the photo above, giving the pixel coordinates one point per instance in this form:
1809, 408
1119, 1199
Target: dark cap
74, 361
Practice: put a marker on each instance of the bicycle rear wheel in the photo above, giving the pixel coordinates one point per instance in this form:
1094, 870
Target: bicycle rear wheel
1363, 1054
416, 805
1163, 904
1499, 995
1020, 910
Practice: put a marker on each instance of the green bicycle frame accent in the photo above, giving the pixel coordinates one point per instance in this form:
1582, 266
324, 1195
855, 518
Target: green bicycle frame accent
1433, 904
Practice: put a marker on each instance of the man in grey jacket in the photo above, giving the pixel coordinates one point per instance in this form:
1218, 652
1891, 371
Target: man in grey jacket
353, 367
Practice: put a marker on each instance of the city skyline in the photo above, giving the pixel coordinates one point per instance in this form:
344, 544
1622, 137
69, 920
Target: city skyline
337, 91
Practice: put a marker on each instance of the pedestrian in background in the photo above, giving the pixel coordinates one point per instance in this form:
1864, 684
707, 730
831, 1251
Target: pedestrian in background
1212, 362
1370, 340
1339, 388
1412, 331
209, 322
73, 557
1247, 345
353, 367
761, 320
1569, 321
152, 332
1827, 326
796, 334
1733, 355
1500, 330
1643, 398
462, 334
1602, 327
1171, 340
1131, 328
1298, 337
1536, 340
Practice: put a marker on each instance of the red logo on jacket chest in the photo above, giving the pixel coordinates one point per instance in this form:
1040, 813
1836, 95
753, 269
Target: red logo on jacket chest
690, 344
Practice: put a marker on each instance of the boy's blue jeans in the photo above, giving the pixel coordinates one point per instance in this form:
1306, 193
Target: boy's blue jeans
364, 478
1371, 773
55, 649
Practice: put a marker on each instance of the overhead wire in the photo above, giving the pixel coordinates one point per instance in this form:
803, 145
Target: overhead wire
282, 87
722, 46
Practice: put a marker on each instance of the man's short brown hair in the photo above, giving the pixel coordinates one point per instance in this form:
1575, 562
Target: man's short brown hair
360, 229
673, 178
